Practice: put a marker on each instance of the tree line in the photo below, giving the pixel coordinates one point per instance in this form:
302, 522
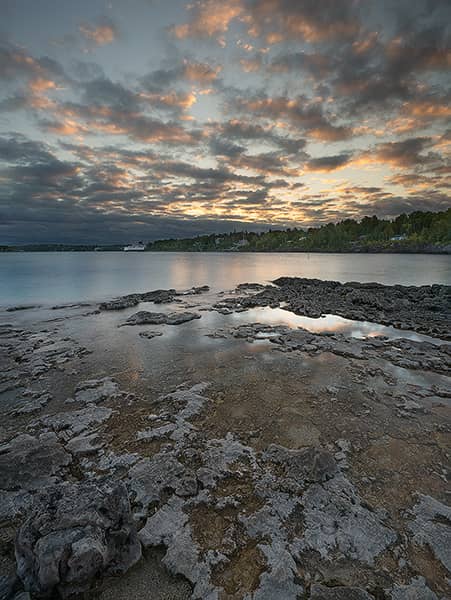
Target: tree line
417, 231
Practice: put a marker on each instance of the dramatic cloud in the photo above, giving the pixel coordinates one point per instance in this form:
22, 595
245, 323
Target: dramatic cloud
184, 117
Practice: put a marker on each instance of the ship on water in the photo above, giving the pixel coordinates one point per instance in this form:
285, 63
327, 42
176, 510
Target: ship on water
138, 247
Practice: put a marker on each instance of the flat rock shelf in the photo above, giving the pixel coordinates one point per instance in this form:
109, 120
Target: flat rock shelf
285, 441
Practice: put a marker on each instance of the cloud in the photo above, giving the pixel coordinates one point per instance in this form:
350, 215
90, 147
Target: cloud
308, 20
306, 114
188, 71
100, 33
209, 18
329, 163
406, 153
258, 132
276, 20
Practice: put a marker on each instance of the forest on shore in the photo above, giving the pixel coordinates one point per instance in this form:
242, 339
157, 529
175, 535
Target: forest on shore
416, 232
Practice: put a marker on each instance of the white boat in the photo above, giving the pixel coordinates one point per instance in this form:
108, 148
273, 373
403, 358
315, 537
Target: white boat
139, 247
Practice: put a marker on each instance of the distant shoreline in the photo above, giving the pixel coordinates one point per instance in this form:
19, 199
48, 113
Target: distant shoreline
438, 251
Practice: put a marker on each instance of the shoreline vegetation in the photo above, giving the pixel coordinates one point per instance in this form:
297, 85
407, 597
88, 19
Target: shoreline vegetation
418, 232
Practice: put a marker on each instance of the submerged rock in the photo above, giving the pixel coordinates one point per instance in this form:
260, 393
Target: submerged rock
30, 463
150, 334
96, 390
74, 534
22, 307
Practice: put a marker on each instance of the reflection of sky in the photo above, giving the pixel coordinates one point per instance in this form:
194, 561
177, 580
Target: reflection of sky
325, 324
50, 278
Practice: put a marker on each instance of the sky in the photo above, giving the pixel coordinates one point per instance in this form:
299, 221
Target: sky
145, 119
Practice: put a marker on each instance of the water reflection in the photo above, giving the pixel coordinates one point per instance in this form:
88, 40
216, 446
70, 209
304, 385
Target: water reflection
79, 276
326, 324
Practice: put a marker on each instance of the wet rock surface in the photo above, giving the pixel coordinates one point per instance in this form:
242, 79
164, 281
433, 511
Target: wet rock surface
144, 317
155, 296
425, 309
256, 461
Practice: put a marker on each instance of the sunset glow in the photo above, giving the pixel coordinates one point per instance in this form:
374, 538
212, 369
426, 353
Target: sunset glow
156, 119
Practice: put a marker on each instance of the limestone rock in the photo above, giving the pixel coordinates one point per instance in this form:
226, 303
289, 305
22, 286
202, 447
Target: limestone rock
74, 534
322, 592
120, 303
30, 463
96, 390
432, 527
144, 317
415, 590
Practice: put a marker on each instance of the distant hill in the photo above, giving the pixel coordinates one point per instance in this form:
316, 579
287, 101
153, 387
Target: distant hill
417, 232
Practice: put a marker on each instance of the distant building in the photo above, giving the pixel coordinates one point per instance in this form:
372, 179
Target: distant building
139, 247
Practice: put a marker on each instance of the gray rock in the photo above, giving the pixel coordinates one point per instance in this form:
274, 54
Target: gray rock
150, 334
22, 307
30, 463
85, 444
432, 527
415, 590
144, 317
170, 526
150, 476
74, 534
279, 580
34, 404
155, 433
7, 583
120, 303
74, 422
322, 592
336, 522
13, 504
307, 465
96, 390
182, 317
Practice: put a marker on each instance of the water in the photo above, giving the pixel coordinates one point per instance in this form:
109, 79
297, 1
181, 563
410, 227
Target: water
50, 278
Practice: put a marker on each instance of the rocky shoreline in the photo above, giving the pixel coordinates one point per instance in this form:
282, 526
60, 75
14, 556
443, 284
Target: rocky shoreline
221, 456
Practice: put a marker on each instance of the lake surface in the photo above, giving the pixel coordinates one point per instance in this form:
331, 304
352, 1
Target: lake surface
49, 278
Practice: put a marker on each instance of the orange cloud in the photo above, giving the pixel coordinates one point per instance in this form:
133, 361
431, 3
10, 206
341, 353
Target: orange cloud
100, 35
251, 65
428, 109
171, 99
210, 19
40, 84
200, 72
298, 20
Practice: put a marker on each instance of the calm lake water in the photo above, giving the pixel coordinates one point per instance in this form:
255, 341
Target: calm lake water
49, 278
